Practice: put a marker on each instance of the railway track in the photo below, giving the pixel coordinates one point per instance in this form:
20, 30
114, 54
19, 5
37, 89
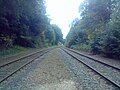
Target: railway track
112, 66
9, 69
100, 68
20, 58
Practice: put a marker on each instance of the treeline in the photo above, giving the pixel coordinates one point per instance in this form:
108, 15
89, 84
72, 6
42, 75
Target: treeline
98, 30
24, 23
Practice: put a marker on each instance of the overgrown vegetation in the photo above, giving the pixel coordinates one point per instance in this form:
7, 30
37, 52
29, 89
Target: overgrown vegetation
12, 51
24, 23
98, 30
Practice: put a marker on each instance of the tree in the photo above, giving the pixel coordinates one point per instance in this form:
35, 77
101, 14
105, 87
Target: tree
23, 23
98, 28
112, 38
77, 35
58, 34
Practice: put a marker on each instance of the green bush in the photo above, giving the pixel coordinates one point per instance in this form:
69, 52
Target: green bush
82, 47
11, 51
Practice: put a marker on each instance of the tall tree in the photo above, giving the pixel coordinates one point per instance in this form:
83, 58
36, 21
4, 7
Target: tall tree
111, 42
23, 22
58, 34
94, 17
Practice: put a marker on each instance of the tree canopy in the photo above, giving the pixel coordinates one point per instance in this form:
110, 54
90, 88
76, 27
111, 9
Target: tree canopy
24, 23
98, 30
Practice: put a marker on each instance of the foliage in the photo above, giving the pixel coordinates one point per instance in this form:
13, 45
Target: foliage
24, 23
98, 28
112, 38
54, 35
58, 34
12, 51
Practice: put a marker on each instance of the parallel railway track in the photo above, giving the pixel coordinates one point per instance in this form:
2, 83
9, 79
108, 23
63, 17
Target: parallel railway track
89, 65
18, 59
112, 66
21, 62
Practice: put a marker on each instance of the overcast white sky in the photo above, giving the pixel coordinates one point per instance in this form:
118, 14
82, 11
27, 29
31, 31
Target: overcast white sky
62, 13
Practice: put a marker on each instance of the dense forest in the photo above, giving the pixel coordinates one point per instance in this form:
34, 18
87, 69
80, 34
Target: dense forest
98, 29
25, 23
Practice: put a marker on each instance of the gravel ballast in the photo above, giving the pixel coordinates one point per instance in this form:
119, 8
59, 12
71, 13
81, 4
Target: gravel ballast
109, 72
86, 78
56, 70
46, 73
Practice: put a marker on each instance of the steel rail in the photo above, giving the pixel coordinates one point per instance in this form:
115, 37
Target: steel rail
21, 58
15, 71
94, 59
114, 83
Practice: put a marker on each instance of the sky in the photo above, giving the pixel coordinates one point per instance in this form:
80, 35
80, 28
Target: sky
62, 13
